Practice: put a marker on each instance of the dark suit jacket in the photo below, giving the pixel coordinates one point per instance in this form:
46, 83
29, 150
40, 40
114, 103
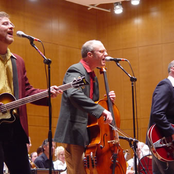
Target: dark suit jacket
75, 106
42, 161
162, 110
18, 131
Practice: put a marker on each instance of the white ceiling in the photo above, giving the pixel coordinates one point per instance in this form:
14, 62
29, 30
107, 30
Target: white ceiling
94, 3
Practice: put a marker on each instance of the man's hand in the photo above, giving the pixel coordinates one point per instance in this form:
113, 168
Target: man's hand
107, 116
55, 91
112, 96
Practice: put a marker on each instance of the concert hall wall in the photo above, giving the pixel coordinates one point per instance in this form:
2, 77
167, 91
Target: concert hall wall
142, 34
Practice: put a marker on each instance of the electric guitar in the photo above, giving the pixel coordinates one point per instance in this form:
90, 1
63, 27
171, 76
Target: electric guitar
8, 112
162, 147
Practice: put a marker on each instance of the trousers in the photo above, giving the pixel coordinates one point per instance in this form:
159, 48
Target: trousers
15, 156
74, 158
160, 167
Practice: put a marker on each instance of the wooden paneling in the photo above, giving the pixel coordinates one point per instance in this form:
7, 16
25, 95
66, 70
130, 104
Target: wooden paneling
142, 34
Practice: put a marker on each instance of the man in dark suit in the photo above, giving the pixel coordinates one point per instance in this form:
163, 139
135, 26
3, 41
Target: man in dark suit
13, 80
162, 114
78, 103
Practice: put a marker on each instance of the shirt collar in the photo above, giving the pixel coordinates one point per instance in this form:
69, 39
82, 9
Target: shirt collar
8, 55
13, 56
86, 66
171, 80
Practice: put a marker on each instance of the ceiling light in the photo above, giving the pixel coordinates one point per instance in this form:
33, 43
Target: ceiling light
118, 7
135, 2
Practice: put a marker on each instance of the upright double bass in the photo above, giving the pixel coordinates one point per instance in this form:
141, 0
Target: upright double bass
104, 155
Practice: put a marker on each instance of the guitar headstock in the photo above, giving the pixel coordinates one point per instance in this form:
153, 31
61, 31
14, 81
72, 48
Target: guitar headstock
80, 81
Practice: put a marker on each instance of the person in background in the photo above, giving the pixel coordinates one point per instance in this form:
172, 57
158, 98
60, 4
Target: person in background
33, 156
141, 151
14, 83
77, 103
162, 114
60, 163
39, 150
43, 161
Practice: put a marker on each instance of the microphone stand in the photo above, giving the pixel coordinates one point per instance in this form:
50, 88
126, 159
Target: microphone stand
132, 79
135, 155
48, 62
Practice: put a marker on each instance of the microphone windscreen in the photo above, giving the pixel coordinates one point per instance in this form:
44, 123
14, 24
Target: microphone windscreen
108, 58
19, 33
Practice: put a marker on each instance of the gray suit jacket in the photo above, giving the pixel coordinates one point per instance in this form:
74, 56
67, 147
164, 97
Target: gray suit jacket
75, 107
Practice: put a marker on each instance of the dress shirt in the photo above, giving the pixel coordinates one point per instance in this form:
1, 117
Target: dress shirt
171, 80
92, 76
42, 161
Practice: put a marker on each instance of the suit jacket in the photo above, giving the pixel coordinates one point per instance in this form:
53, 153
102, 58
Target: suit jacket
18, 130
75, 107
162, 110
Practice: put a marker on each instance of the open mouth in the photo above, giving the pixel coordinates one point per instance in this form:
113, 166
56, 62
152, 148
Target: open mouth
10, 33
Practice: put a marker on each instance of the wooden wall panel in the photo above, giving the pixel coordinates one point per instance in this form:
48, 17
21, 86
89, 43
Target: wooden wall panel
142, 34
62, 27
167, 20
38, 19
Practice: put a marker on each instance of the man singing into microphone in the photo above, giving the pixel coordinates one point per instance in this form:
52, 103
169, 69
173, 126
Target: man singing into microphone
78, 103
13, 80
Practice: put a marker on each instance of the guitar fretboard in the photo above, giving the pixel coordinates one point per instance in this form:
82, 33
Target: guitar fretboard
32, 98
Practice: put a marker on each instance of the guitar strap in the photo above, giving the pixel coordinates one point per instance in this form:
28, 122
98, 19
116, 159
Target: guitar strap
15, 78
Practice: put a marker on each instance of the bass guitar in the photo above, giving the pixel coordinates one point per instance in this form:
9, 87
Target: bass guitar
162, 147
8, 112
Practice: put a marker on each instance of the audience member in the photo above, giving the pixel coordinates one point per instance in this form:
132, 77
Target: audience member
60, 163
33, 156
39, 150
141, 150
42, 161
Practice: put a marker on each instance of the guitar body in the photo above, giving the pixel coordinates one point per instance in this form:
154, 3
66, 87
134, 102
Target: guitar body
161, 147
7, 116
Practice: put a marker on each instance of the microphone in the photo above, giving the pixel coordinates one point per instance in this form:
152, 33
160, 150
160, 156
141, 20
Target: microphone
128, 139
108, 58
31, 38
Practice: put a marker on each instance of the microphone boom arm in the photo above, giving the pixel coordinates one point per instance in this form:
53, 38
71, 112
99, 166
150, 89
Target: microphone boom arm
46, 60
132, 79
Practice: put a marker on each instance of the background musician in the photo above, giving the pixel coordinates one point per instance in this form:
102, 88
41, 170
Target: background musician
162, 114
78, 103
13, 80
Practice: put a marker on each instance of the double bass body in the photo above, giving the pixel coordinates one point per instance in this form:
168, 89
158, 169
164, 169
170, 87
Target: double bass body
104, 155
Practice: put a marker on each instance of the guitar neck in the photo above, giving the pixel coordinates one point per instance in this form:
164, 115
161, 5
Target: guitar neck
35, 97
